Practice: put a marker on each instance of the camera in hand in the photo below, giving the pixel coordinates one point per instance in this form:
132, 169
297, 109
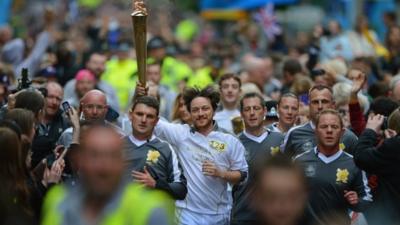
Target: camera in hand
24, 82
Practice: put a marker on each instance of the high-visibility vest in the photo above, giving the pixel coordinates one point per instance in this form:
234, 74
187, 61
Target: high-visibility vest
135, 207
121, 75
202, 78
90, 3
173, 71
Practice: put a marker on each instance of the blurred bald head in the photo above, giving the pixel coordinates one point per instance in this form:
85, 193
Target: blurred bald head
100, 161
251, 62
93, 105
94, 94
259, 70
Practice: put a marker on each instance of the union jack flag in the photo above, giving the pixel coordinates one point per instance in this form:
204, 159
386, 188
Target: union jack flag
266, 18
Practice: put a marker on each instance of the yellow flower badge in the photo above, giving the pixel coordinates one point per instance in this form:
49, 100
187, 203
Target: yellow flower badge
342, 175
220, 147
342, 146
152, 156
274, 150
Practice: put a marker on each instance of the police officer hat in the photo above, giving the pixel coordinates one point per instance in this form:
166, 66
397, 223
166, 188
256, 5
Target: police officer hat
156, 42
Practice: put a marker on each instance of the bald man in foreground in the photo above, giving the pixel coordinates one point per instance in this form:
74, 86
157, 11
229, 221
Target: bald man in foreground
92, 107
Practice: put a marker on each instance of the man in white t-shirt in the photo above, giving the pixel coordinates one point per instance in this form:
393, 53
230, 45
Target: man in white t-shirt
210, 160
229, 87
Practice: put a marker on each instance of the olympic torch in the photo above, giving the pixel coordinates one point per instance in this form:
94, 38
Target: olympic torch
139, 18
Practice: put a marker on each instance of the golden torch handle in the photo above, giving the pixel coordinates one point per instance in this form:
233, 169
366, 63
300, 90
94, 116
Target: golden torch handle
139, 18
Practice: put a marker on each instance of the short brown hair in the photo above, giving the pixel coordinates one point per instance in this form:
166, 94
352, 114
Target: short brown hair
332, 112
251, 95
149, 101
227, 76
320, 87
31, 100
288, 95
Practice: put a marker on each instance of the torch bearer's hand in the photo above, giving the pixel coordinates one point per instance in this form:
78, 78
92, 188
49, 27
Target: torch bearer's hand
140, 90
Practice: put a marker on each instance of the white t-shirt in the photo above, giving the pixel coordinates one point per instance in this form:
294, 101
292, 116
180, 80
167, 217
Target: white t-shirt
206, 194
224, 118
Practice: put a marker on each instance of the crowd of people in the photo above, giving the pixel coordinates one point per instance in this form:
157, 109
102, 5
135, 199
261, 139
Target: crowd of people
229, 128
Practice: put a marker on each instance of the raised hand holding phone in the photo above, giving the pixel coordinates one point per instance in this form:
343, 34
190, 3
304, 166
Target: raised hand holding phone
73, 116
66, 107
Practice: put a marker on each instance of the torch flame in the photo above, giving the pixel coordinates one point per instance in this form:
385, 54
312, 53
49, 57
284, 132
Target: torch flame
139, 8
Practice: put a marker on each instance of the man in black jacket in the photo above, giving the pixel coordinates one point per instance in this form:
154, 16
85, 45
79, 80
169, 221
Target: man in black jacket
384, 161
53, 124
